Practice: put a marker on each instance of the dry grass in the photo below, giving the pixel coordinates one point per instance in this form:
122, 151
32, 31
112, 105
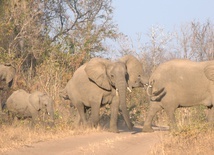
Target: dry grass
193, 136
188, 140
20, 134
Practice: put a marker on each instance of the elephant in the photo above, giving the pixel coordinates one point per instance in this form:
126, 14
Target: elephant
101, 81
23, 105
136, 76
180, 83
7, 74
74, 116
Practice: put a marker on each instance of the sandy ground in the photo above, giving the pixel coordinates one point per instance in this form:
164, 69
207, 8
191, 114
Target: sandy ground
100, 143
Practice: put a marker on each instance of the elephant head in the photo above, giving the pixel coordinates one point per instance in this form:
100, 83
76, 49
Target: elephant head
110, 76
7, 73
42, 102
136, 78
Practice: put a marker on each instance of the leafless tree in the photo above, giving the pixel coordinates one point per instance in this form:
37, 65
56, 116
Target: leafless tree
195, 41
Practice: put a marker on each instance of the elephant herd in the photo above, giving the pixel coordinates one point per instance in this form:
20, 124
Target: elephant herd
21, 103
173, 84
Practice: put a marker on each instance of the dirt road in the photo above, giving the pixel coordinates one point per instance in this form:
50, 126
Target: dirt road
102, 143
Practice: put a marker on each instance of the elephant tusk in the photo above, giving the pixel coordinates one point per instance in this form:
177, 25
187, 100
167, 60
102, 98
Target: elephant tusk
116, 92
129, 89
147, 90
49, 114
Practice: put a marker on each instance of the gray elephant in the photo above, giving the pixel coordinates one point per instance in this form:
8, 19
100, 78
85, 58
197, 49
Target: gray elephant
180, 83
37, 105
7, 74
101, 82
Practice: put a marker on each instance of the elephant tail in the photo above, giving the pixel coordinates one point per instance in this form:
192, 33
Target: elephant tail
155, 95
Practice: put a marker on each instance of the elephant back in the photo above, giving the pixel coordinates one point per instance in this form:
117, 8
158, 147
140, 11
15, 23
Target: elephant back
209, 72
17, 101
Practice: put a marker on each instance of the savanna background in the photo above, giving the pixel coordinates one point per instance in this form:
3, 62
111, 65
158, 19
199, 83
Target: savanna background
46, 41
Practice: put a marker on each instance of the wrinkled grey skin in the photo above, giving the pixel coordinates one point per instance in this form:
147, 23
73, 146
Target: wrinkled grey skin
180, 83
95, 83
37, 105
7, 74
136, 77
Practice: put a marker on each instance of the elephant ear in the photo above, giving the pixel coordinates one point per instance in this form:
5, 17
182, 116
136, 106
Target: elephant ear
96, 70
34, 100
209, 72
10, 75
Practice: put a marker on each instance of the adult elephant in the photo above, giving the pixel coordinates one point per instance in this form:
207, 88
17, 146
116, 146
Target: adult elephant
7, 74
101, 82
180, 83
37, 105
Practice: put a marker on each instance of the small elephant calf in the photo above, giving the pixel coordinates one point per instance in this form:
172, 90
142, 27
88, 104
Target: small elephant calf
23, 105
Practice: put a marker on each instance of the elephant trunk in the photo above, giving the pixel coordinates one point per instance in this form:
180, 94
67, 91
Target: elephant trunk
140, 81
144, 80
122, 85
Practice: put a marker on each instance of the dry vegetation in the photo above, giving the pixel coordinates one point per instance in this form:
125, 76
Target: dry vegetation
19, 135
193, 136
189, 139
46, 62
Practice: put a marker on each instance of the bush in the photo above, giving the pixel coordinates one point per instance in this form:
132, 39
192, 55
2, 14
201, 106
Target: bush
189, 139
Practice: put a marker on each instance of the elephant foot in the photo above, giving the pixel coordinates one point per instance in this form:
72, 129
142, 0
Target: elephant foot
173, 128
147, 129
130, 126
92, 124
114, 130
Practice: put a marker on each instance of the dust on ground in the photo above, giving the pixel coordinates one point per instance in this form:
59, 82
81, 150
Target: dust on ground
105, 143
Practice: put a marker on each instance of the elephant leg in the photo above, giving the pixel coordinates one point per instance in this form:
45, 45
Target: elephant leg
171, 114
210, 114
3, 98
35, 118
1, 94
78, 119
87, 112
153, 109
81, 111
11, 117
74, 115
114, 115
94, 119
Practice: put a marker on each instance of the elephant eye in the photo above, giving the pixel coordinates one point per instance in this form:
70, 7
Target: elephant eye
112, 76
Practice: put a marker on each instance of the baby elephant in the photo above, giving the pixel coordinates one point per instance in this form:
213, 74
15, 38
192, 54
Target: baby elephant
36, 105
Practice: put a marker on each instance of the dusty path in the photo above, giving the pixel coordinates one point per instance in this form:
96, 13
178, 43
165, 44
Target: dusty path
104, 143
